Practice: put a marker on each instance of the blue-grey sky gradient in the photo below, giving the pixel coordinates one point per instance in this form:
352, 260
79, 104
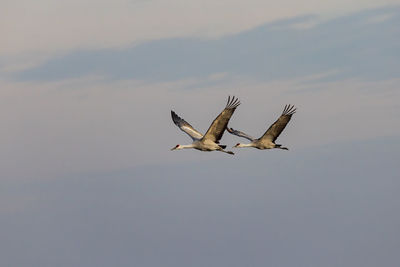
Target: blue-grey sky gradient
86, 175
336, 205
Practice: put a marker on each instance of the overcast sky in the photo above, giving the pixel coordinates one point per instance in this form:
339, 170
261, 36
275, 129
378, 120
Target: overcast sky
87, 177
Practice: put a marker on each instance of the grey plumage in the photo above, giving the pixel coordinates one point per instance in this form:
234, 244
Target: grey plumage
218, 126
267, 140
186, 127
210, 141
279, 125
240, 134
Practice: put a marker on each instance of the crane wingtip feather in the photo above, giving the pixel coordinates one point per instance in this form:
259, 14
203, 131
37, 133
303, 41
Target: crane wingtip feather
289, 110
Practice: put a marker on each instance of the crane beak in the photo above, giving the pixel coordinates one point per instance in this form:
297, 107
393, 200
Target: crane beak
175, 147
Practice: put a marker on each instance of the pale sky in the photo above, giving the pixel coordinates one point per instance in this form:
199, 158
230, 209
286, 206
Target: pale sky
87, 177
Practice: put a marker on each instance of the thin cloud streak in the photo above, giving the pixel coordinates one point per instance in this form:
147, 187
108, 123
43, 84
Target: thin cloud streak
52, 128
350, 45
47, 27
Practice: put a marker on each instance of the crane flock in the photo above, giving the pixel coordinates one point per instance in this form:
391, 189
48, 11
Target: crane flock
210, 140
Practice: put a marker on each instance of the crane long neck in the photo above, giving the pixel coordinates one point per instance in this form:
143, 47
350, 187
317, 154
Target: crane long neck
246, 145
187, 146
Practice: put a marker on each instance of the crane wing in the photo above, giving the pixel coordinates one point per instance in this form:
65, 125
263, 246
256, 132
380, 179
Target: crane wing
275, 129
218, 126
186, 127
239, 133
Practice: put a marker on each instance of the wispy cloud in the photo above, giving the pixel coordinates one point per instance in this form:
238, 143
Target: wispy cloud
47, 27
350, 45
